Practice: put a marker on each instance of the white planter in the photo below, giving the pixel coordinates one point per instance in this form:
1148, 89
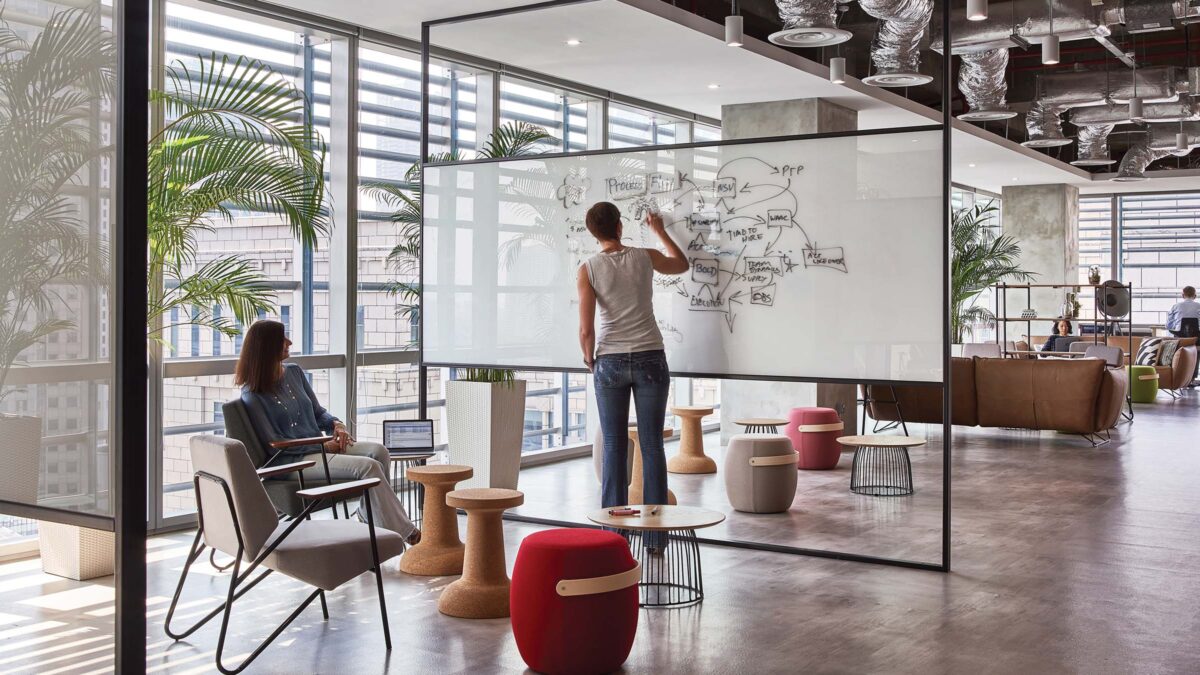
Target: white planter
485, 424
20, 458
75, 552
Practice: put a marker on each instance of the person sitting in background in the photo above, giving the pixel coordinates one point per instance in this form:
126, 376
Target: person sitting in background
1062, 328
283, 406
1187, 308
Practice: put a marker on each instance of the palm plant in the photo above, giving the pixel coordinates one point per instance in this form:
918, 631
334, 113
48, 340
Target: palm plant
981, 258
515, 139
232, 143
50, 90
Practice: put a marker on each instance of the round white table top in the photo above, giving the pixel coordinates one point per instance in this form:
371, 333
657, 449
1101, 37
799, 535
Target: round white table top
668, 517
760, 422
881, 441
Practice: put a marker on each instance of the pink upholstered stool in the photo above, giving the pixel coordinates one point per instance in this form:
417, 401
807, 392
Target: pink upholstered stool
814, 432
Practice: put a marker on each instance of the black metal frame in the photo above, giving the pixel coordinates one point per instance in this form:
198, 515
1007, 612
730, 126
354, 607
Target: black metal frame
881, 471
237, 577
868, 399
672, 576
945, 127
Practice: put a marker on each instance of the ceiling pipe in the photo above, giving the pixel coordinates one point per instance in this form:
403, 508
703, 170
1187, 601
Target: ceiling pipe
1136, 159
1158, 142
1184, 110
896, 51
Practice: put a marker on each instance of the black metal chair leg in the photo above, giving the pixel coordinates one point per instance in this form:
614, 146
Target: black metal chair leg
324, 607
212, 560
387, 633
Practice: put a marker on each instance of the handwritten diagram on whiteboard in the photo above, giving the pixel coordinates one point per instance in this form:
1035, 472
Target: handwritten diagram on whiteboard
797, 250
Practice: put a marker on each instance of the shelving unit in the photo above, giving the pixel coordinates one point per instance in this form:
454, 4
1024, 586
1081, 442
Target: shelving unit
1098, 320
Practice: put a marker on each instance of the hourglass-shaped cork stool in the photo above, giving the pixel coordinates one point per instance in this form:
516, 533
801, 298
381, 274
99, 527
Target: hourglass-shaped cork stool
691, 457
482, 592
635, 487
440, 551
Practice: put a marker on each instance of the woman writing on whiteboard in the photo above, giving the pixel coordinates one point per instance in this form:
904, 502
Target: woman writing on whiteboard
626, 355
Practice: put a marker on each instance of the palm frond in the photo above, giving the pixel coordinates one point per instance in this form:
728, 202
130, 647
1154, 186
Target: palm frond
514, 139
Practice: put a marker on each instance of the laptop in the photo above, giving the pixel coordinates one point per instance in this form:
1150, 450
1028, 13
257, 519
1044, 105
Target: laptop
408, 437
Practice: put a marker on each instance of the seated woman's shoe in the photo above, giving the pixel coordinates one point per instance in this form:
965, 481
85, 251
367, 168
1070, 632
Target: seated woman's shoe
414, 538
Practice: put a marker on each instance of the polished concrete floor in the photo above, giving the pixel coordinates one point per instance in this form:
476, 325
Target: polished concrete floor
1067, 559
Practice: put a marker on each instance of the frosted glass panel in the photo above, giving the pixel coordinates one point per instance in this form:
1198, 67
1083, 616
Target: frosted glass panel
814, 258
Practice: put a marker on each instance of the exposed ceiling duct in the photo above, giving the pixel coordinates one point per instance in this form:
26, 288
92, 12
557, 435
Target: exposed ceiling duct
1186, 109
1043, 126
896, 52
808, 23
1021, 23
981, 81
1061, 91
1093, 146
1158, 142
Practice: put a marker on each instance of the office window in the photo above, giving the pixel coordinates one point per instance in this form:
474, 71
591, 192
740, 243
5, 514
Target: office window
561, 113
632, 127
1095, 245
56, 227
1159, 238
299, 278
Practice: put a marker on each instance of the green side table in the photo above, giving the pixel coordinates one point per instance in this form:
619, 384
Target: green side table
1143, 384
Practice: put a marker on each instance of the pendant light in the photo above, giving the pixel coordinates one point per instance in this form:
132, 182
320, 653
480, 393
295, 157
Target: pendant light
1050, 43
1135, 103
1181, 140
733, 27
837, 70
977, 10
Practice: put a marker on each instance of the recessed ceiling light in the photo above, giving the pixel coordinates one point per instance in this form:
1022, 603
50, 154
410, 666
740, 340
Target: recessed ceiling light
1015, 179
573, 42
971, 165
714, 85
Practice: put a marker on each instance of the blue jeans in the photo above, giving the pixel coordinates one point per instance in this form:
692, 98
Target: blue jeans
644, 375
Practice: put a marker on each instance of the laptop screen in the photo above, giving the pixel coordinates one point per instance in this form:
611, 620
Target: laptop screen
408, 435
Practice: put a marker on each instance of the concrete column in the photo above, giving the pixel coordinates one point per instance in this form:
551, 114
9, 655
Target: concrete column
749, 398
1044, 221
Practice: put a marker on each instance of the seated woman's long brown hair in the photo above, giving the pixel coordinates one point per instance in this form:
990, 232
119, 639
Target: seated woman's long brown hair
262, 351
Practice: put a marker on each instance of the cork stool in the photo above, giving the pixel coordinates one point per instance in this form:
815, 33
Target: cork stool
691, 457
440, 551
482, 592
635, 449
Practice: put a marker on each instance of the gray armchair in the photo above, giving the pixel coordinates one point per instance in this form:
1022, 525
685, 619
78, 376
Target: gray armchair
238, 518
281, 489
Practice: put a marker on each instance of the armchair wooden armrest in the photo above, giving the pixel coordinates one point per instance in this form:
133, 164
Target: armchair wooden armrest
338, 491
269, 471
295, 442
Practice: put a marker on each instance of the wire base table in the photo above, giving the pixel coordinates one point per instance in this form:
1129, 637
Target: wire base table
663, 540
882, 467
410, 492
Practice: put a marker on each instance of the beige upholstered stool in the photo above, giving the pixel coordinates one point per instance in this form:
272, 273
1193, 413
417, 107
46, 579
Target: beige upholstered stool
482, 592
691, 457
440, 551
760, 473
636, 487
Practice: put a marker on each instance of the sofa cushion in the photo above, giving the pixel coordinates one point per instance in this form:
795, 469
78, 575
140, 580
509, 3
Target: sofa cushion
1166, 355
1148, 352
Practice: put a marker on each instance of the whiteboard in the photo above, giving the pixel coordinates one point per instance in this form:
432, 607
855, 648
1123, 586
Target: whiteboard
811, 258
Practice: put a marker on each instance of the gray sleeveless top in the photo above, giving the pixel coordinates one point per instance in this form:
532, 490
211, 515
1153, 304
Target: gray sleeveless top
624, 285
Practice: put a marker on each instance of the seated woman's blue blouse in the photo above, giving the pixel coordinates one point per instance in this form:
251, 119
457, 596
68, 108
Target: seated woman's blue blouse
291, 411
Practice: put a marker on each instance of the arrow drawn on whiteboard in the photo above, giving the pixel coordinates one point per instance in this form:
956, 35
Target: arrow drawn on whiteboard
782, 191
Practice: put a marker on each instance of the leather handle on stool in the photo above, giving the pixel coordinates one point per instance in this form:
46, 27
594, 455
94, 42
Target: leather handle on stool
1148, 377
775, 460
832, 426
595, 585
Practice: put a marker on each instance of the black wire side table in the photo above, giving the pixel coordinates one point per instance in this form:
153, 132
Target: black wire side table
761, 425
663, 540
882, 467
410, 492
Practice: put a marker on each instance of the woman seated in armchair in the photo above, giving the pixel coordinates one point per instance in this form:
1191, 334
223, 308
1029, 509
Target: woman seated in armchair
282, 406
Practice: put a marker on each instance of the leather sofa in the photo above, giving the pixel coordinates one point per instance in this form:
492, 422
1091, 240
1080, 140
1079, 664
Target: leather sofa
1080, 396
1172, 378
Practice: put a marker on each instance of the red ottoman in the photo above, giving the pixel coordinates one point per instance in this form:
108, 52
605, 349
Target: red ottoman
814, 432
574, 601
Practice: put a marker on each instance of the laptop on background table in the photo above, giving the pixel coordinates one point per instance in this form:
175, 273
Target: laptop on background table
408, 437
